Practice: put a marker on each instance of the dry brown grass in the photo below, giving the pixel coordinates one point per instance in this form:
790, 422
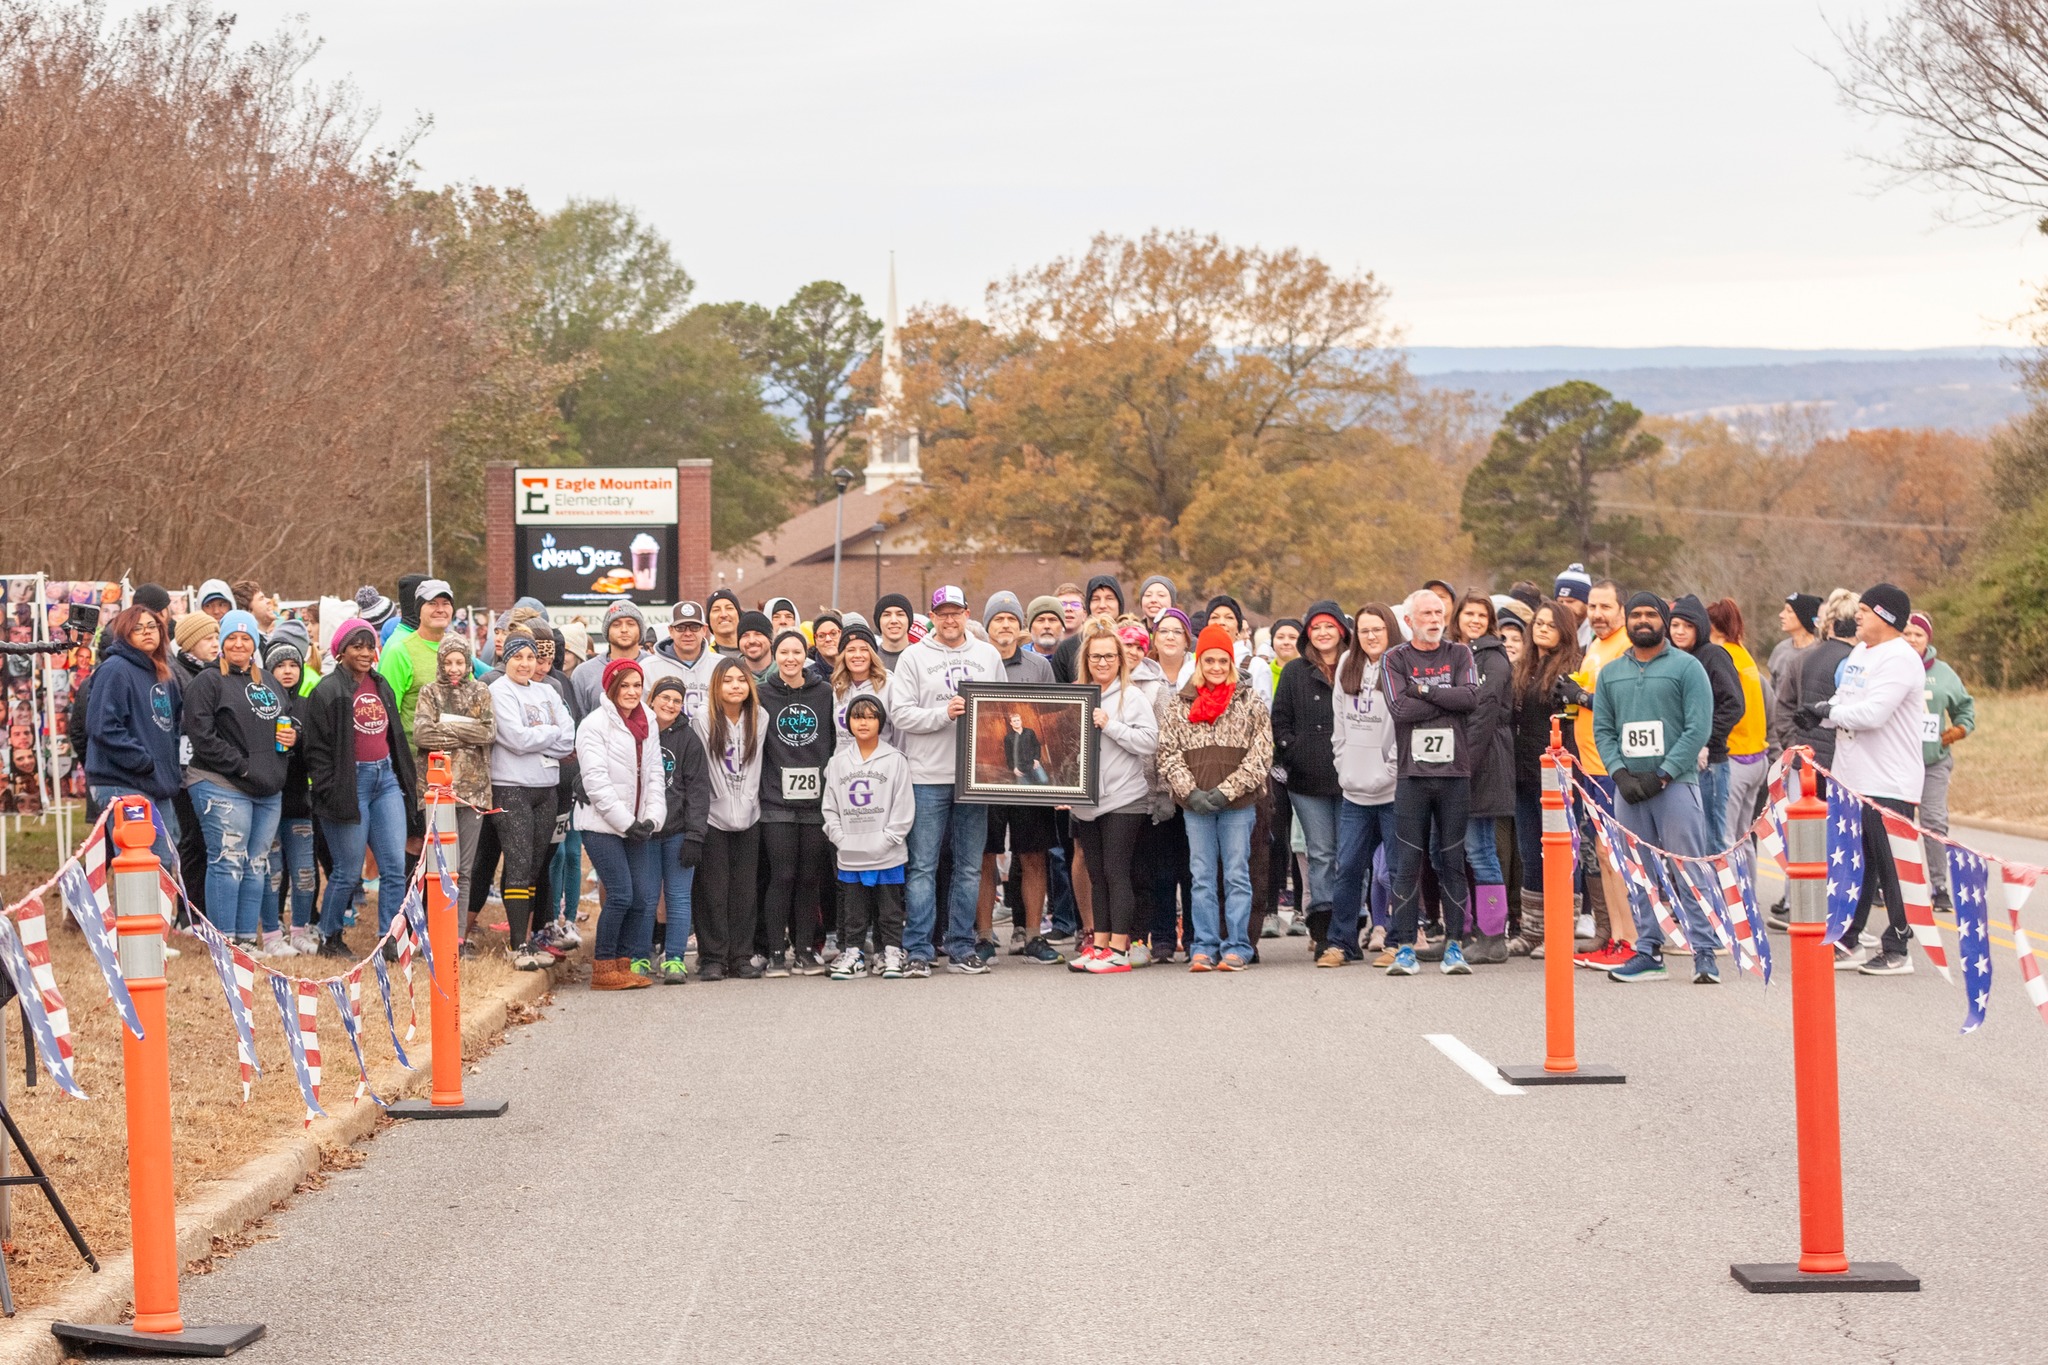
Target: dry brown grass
2002, 769
83, 1144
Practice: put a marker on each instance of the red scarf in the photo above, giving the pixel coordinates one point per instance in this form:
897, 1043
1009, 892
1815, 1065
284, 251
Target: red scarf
636, 721
1210, 703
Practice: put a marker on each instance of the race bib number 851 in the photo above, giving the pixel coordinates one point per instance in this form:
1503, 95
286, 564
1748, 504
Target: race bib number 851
1642, 739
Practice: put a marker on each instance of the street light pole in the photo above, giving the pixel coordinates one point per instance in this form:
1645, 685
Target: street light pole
841, 476
877, 528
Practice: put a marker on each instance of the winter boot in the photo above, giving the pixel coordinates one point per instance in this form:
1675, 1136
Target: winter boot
1489, 944
1530, 942
609, 974
1596, 901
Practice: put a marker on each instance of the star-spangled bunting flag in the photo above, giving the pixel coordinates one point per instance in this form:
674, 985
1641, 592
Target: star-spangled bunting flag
52, 1035
33, 926
348, 1002
2019, 884
1644, 889
237, 973
1700, 882
1736, 873
415, 910
441, 870
1909, 856
94, 857
390, 1019
308, 993
1969, 879
288, 1014
1845, 859
85, 909
401, 935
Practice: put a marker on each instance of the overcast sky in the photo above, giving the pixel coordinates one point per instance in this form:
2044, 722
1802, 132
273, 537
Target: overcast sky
1617, 174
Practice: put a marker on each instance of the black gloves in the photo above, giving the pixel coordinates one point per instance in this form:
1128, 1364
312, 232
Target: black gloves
640, 829
1206, 801
693, 852
1636, 788
1809, 716
1569, 693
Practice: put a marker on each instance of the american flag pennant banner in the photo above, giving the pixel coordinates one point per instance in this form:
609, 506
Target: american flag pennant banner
53, 1036
415, 911
1608, 832
308, 993
1645, 888
1969, 877
1667, 888
169, 876
1697, 879
294, 1037
2019, 882
239, 985
401, 934
33, 927
1845, 859
1909, 856
390, 1019
85, 908
348, 1001
1736, 873
441, 871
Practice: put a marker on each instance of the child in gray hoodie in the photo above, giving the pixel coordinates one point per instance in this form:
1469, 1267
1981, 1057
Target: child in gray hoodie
868, 807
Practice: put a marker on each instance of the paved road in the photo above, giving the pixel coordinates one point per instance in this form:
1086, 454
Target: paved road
1036, 1166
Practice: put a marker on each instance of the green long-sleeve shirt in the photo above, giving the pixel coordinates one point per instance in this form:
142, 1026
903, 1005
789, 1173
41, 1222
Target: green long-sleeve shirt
1948, 703
1653, 716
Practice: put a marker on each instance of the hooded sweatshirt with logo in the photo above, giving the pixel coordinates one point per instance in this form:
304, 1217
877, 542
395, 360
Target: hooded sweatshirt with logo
686, 782
735, 773
133, 719
921, 687
1362, 738
1127, 756
231, 719
798, 744
868, 806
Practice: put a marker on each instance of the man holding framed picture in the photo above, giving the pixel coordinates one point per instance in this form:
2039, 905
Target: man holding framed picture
1025, 830
925, 705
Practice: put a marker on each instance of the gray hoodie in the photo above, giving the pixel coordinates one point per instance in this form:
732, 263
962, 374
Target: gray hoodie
922, 684
1362, 740
735, 778
869, 806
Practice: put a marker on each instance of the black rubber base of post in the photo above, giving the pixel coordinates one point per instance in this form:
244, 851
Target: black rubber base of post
1862, 1277
222, 1340
1589, 1073
468, 1109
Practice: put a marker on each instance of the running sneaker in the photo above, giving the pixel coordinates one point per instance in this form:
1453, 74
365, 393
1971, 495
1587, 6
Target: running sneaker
1847, 959
1043, 953
1018, 943
1887, 964
1405, 963
976, 965
642, 966
918, 967
1378, 939
1774, 918
565, 934
986, 949
1640, 967
526, 961
750, 970
1233, 963
778, 965
1200, 962
1079, 961
1140, 953
1454, 960
1109, 961
1706, 972
1610, 955
832, 946
711, 971
548, 939
674, 971
892, 963
1272, 928
849, 966
806, 962
305, 940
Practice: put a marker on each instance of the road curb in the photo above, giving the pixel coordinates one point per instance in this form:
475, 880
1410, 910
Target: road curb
2019, 829
226, 1206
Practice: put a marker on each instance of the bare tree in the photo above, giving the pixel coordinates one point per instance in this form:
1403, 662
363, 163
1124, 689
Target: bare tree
1968, 80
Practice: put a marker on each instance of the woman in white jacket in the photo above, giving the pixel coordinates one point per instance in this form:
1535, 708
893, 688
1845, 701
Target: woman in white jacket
724, 898
532, 733
1362, 743
1107, 832
618, 754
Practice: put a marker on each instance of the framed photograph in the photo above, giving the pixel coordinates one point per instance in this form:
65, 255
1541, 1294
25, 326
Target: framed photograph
1027, 744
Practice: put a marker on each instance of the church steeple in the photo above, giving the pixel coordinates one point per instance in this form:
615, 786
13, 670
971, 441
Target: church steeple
892, 443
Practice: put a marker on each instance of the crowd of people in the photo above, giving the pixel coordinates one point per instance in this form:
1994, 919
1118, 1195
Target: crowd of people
773, 797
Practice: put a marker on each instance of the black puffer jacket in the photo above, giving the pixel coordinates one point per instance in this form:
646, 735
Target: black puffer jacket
1490, 730
231, 719
1302, 721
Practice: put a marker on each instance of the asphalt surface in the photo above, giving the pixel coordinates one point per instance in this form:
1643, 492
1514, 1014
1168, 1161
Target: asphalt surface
1039, 1166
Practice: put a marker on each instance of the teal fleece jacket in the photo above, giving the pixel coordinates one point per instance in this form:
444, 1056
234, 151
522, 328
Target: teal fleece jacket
1671, 689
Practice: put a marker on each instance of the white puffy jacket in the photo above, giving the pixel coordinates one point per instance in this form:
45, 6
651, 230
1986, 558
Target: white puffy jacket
622, 777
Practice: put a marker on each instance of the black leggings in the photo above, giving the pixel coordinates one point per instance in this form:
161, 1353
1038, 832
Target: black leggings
797, 855
1419, 802
722, 898
1109, 846
526, 825
1881, 876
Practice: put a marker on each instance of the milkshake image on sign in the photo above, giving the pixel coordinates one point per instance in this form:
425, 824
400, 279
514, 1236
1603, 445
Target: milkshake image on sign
646, 549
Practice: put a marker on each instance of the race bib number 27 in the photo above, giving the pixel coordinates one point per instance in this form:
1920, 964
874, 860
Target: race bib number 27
1438, 745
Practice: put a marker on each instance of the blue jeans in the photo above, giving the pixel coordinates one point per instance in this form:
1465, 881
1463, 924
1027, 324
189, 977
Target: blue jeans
1482, 851
629, 879
939, 818
238, 829
1060, 908
676, 881
380, 828
1529, 834
1225, 836
291, 861
1361, 832
565, 880
1714, 796
1674, 821
1318, 817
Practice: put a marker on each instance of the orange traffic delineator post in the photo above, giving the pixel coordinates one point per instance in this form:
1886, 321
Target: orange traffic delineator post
444, 933
158, 1327
1823, 1266
1561, 1065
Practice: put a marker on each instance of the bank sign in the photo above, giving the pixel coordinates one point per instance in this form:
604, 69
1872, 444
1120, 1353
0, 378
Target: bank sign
587, 536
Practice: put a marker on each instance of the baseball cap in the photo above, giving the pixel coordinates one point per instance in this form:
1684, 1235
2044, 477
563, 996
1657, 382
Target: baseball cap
948, 596
433, 588
686, 614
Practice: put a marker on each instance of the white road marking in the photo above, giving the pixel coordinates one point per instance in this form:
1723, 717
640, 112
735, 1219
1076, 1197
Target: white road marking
1472, 1064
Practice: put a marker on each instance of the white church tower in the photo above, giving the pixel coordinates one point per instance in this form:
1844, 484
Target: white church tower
892, 443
